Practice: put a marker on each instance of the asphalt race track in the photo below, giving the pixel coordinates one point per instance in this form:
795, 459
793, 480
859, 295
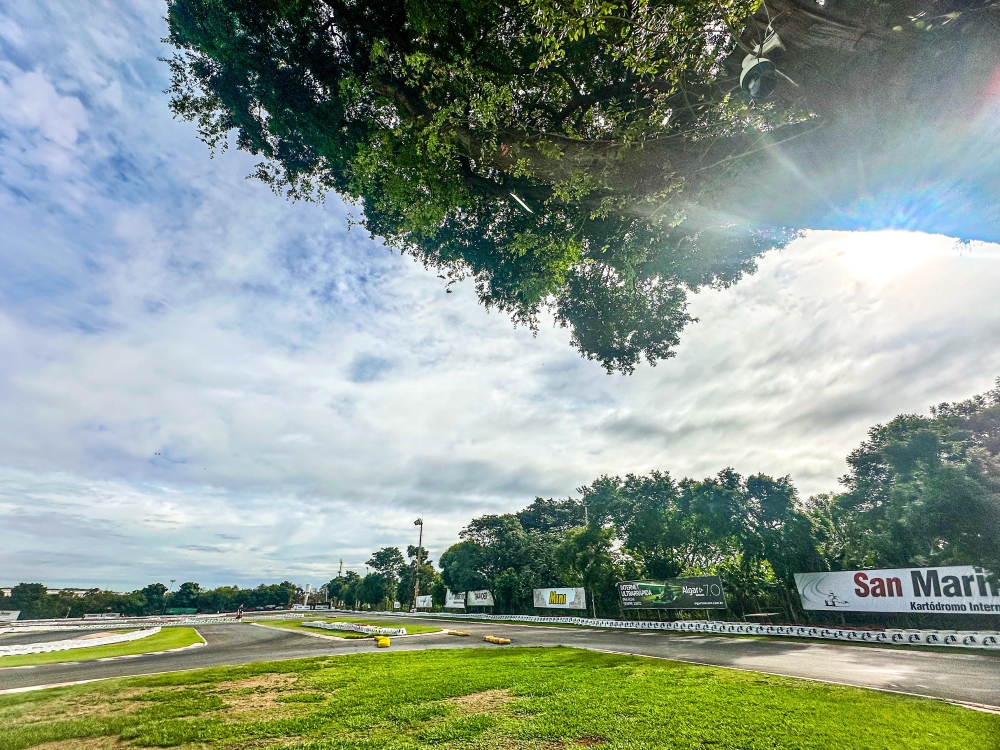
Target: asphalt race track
42, 636
967, 677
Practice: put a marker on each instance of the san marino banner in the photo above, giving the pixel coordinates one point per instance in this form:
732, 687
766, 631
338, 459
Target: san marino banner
453, 600
704, 592
563, 598
481, 598
957, 589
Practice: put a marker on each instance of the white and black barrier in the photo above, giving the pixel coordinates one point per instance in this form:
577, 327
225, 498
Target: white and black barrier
355, 628
954, 638
74, 643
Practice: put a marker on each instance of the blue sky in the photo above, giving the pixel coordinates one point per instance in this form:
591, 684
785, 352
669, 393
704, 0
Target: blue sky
202, 381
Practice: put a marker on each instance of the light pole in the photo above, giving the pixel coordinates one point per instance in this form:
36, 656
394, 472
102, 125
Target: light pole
164, 609
416, 571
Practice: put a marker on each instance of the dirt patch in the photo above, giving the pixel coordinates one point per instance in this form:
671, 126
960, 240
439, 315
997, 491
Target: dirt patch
266, 743
482, 703
270, 681
74, 708
84, 743
510, 744
259, 695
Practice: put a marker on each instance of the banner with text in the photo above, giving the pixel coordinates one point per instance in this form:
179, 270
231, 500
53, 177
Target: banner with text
9, 615
565, 598
425, 602
704, 592
453, 600
957, 589
481, 598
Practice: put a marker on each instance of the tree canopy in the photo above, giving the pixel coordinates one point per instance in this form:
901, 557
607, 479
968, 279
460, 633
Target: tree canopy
920, 491
596, 158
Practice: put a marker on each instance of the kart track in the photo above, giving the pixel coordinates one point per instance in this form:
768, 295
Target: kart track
969, 677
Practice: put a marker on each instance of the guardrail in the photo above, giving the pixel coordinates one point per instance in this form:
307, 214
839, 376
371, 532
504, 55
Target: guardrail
355, 628
74, 643
955, 638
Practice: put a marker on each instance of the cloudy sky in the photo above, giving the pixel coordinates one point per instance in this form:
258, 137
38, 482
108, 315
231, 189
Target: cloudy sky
201, 381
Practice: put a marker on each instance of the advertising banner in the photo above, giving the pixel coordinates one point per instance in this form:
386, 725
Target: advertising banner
704, 592
9, 615
425, 602
566, 598
957, 589
454, 600
481, 598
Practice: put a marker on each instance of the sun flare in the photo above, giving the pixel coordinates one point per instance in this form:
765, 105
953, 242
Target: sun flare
879, 257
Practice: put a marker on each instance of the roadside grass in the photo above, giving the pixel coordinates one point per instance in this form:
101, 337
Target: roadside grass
412, 628
494, 699
166, 639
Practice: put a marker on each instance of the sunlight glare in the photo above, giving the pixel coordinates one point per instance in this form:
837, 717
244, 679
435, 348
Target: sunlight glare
878, 257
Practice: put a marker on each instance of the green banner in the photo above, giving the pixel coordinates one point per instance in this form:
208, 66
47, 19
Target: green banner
704, 592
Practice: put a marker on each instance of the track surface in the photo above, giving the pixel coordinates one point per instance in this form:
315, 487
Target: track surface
965, 677
44, 636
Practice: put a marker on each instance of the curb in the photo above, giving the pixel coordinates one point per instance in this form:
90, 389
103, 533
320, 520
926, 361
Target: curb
102, 659
299, 631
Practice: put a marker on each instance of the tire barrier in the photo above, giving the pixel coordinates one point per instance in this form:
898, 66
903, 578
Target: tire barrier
74, 643
952, 638
355, 628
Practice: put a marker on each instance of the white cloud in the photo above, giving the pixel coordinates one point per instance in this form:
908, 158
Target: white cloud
201, 381
30, 101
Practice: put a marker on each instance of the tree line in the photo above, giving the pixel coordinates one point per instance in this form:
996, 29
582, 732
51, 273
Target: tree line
919, 491
34, 602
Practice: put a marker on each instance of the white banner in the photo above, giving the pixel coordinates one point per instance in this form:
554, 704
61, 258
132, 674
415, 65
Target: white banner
425, 602
454, 600
481, 598
9, 615
566, 598
957, 589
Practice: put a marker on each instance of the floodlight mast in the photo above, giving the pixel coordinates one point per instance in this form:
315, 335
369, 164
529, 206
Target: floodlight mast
416, 571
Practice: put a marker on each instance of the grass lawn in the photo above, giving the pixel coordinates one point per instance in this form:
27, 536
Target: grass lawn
412, 628
498, 699
165, 639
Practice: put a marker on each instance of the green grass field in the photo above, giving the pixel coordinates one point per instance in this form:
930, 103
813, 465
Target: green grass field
411, 627
165, 639
496, 699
